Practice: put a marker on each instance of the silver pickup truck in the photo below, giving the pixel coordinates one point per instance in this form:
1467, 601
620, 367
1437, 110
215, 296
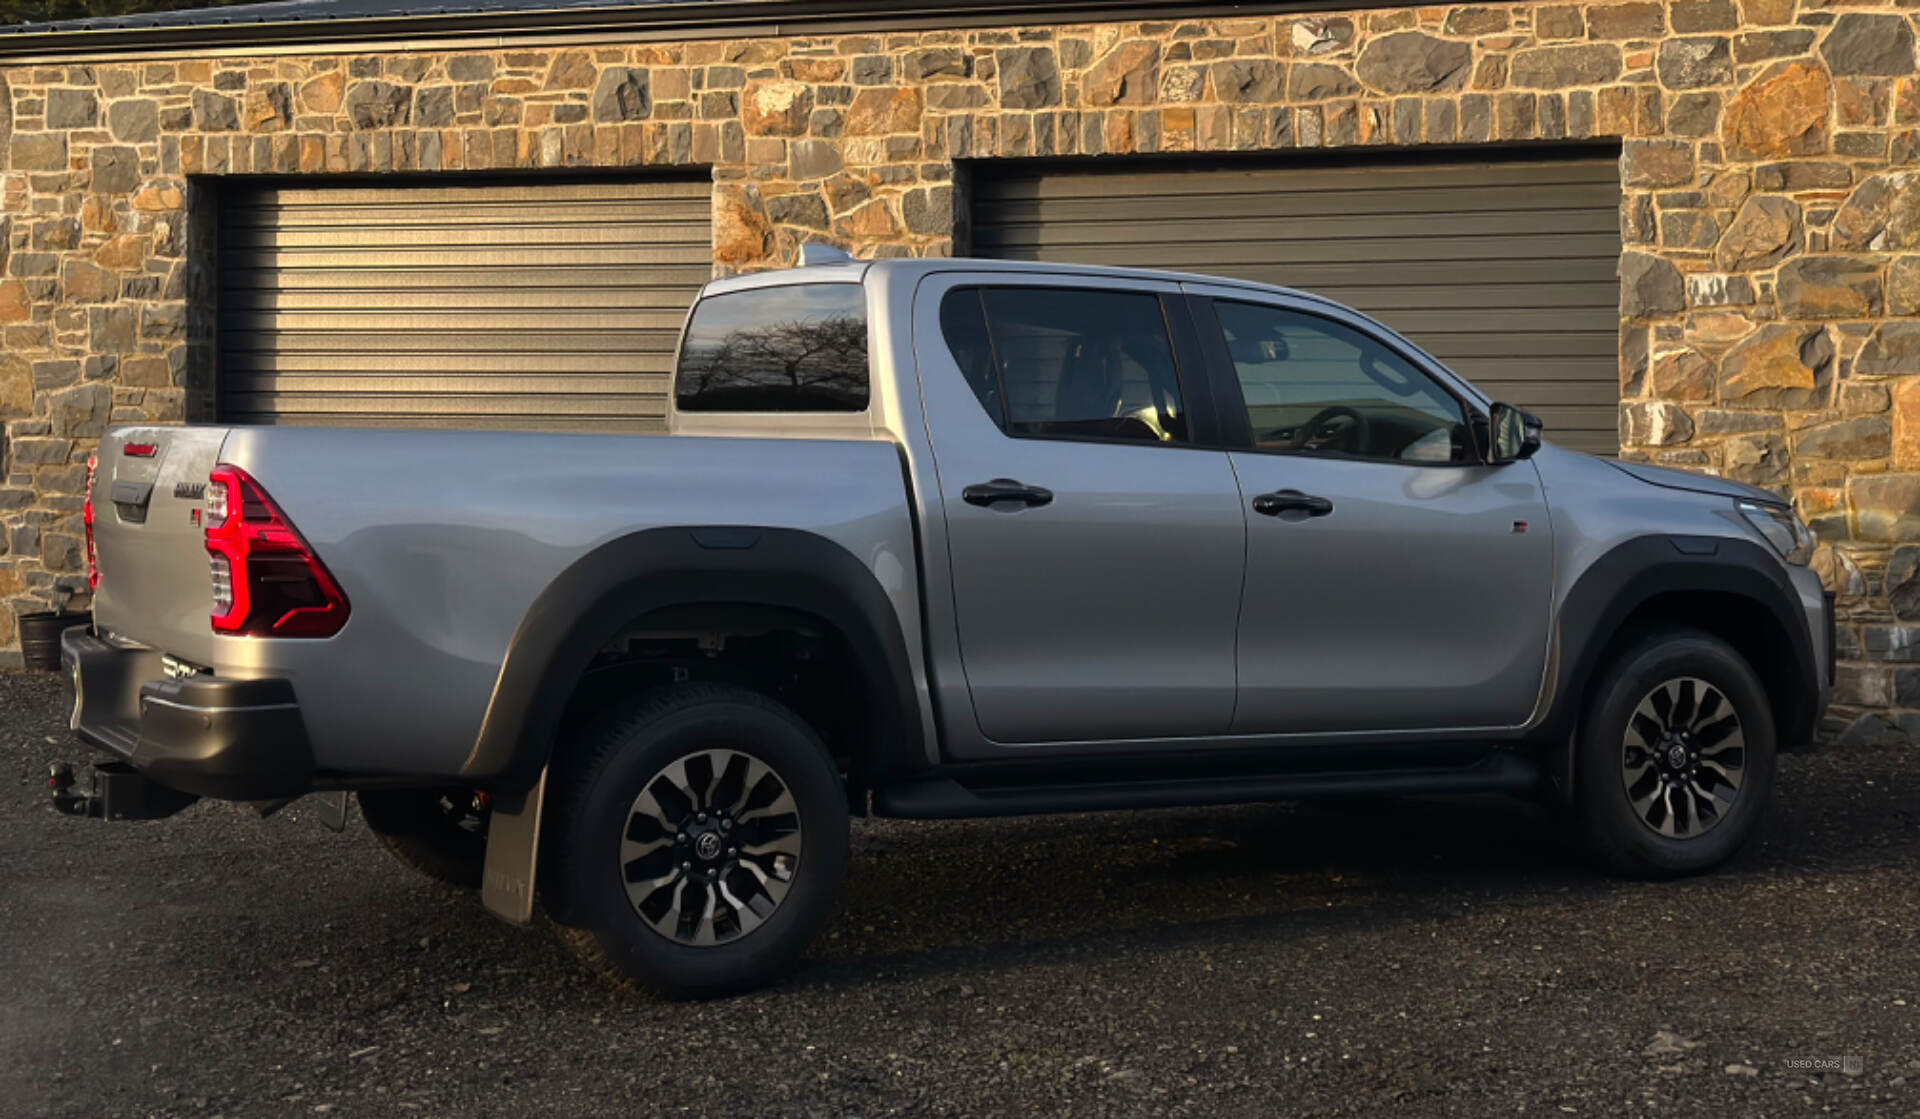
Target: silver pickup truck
937, 538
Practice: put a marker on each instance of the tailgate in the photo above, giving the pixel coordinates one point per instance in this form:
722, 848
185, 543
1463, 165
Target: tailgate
148, 491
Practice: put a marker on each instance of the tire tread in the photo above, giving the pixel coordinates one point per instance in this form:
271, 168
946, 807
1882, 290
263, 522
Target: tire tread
1597, 825
578, 771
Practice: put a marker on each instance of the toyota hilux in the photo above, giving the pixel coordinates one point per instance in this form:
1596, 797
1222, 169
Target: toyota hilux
937, 538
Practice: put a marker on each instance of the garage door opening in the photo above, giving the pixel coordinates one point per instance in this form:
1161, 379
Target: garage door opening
550, 305
1504, 267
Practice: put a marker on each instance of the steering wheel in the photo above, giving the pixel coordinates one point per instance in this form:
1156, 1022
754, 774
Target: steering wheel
1337, 427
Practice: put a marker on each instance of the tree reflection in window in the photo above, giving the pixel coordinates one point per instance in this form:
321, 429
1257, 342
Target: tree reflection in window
781, 349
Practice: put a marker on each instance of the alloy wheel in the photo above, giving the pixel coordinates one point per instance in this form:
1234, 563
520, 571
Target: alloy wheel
711, 847
1683, 758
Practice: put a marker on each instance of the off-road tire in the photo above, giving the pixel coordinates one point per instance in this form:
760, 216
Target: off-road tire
410, 824
1608, 827
597, 778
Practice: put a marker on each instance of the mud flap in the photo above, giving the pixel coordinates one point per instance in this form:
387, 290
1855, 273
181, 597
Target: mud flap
513, 851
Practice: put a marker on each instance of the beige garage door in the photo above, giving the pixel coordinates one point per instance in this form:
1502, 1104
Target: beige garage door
550, 306
1503, 269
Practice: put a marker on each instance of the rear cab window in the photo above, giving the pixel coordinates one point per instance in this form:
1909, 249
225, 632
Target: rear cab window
785, 349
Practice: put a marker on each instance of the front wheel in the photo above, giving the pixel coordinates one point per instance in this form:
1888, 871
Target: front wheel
701, 839
1675, 756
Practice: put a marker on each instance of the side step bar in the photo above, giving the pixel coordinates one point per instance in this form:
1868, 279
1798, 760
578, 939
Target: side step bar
948, 798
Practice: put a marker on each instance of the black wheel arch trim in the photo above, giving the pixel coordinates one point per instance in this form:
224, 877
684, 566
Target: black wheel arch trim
1632, 573
634, 575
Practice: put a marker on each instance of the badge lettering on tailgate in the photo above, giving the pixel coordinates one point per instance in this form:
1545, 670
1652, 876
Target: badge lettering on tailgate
175, 669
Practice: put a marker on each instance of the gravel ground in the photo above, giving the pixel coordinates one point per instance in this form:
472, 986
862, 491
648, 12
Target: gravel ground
1417, 958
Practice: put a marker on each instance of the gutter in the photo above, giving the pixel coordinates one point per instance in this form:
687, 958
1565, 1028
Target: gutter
671, 19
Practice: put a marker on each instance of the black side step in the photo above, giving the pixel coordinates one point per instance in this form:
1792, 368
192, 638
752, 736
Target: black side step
948, 798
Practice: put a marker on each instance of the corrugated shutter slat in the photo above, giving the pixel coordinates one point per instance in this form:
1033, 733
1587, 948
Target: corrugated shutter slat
1506, 269
551, 306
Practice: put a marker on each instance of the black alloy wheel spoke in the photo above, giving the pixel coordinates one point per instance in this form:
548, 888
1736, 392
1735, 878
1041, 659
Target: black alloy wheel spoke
710, 847
1682, 758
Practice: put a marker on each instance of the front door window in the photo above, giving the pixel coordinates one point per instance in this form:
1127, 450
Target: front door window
1317, 386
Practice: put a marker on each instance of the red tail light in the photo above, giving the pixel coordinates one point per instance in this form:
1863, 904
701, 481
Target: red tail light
266, 581
139, 450
86, 515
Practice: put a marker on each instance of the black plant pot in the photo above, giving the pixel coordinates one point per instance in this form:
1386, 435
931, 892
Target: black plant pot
40, 637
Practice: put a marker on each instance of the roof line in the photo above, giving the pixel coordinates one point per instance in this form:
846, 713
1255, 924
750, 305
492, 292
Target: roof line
657, 20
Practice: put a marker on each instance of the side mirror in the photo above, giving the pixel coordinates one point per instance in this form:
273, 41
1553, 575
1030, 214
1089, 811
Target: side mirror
1512, 434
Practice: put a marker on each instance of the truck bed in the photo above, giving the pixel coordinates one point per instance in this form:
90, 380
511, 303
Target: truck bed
442, 541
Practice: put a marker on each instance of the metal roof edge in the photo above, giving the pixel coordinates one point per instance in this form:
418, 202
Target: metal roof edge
690, 19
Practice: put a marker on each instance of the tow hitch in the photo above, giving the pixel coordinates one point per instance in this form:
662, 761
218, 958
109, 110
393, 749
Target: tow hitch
117, 791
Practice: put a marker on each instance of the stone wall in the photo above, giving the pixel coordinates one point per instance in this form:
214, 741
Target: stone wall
1770, 286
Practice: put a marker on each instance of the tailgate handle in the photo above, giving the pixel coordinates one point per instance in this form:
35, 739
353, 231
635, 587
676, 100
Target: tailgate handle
132, 493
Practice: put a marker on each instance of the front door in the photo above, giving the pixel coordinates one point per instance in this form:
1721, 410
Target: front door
1393, 581
1095, 553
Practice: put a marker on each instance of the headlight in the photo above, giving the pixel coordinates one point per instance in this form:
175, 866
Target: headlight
1785, 531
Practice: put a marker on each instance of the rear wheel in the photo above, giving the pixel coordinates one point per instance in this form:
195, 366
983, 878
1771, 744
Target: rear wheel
1675, 756
700, 839
442, 833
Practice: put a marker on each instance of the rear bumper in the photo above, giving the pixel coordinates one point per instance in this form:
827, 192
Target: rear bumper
207, 735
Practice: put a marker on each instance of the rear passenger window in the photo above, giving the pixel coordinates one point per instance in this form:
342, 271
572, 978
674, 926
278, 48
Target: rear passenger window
1068, 362
798, 348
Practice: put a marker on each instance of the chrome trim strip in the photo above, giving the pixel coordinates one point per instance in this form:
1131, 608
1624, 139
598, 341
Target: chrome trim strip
144, 700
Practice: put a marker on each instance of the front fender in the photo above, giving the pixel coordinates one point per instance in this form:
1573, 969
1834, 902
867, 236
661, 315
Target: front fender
1606, 596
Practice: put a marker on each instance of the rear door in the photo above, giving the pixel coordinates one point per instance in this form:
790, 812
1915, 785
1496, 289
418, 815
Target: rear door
1394, 582
1095, 551
149, 495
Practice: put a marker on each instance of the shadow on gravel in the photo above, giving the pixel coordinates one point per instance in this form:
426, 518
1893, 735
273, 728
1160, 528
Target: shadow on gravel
1414, 957
923, 899
997, 893
994, 893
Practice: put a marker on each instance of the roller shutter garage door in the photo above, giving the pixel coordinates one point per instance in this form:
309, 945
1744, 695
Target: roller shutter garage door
1504, 269
553, 306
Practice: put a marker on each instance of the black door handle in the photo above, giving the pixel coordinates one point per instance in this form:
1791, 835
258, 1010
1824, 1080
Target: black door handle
1291, 501
1005, 489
